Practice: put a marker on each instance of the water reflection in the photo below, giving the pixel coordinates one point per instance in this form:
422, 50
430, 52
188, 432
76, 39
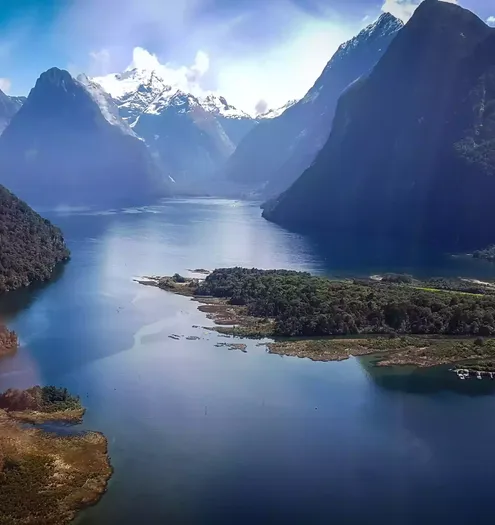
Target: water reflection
199, 434
432, 380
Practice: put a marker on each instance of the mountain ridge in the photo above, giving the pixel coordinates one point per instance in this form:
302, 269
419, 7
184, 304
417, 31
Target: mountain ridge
277, 151
425, 173
60, 149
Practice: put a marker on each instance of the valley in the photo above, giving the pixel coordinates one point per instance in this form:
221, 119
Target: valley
324, 353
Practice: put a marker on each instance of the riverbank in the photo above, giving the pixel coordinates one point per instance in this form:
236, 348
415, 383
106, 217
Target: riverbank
46, 478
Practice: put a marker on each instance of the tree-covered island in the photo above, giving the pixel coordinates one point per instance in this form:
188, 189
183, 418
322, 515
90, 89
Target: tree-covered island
418, 322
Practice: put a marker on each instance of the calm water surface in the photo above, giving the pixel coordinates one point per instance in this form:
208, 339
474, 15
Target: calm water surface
202, 435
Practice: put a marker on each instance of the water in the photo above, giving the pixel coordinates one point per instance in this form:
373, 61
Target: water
203, 435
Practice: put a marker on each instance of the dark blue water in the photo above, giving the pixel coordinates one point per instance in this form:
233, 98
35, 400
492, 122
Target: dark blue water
202, 435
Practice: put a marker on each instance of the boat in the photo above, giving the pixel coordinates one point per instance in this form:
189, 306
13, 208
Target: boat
478, 375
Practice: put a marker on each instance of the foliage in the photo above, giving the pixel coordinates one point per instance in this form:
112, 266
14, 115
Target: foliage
41, 399
305, 305
397, 278
487, 254
23, 490
30, 246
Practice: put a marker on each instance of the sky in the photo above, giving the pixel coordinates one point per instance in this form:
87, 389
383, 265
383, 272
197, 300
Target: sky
256, 53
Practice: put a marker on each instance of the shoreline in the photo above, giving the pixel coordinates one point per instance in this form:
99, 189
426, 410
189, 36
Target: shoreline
63, 474
422, 351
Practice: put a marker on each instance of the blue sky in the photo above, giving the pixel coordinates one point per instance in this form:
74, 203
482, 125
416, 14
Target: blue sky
249, 50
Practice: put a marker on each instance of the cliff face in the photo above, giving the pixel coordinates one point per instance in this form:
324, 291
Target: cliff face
59, 149
278, 150
412, 150
189, 141
30, 246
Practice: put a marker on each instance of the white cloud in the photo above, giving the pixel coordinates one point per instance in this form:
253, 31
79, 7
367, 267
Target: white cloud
250, 51
404, 9
285, 72
100, 62
5, 84
186, 78
491, 20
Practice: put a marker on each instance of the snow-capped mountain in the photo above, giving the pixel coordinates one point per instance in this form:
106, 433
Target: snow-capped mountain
191, 135
274, 113
106, 103
9, 106
64, 146
139, 91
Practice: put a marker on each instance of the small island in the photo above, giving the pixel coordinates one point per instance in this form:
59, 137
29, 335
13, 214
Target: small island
400, 319
44, 477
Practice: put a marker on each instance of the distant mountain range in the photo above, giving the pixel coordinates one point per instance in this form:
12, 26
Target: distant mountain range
190, 136
9, 106
411, 155
275, 153
66, 146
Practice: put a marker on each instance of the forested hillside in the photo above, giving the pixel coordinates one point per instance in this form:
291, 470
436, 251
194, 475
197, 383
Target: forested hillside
30, 246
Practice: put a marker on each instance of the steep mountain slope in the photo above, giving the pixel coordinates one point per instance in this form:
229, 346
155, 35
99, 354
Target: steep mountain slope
9, 106
412, 150
59, 149
278, 150
191, 137
30, 246
188, 140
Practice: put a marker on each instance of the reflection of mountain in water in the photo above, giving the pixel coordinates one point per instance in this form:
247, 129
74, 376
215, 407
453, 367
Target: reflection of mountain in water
346, 257
413, 380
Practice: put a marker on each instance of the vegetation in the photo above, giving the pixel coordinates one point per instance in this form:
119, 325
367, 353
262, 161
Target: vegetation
30, 245
488, 253
305, 305
47, 399
8, 341
397, 278
45, 478
403, 350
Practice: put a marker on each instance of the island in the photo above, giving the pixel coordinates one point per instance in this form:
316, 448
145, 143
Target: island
401, 319
46, 477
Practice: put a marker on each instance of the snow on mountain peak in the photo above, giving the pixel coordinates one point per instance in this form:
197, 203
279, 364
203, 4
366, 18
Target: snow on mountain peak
273, 113
137, 91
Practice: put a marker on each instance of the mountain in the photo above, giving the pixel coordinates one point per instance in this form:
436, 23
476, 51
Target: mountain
141, 91
9, 106
59, 149
190, 136
189, 141
278, 150
276, 112
411, 155
30, 245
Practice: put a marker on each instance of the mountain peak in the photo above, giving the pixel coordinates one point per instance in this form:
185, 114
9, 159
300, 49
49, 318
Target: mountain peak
55, 76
